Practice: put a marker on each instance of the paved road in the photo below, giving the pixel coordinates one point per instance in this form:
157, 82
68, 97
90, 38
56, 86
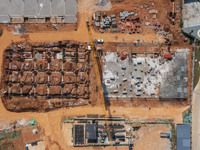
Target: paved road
196, 118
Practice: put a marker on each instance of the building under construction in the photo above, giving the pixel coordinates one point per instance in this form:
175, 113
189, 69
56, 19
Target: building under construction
38, 11
91, 130
146, 75
46, 71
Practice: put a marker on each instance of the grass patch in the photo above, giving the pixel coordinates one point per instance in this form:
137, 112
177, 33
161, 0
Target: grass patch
196, 67
186, 116
7, 146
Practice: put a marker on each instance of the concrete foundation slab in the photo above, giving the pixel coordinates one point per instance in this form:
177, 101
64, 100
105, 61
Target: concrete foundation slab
145, 77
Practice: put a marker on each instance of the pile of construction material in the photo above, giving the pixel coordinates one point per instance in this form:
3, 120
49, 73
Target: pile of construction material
125, 14
154, 12
129, 22
103, 21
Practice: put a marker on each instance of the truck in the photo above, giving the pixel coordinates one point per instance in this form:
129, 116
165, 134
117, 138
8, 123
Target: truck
165, 135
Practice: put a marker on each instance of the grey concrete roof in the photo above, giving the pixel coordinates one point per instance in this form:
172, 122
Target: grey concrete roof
44, 8
39, 9
183, 136
70, 7
30, 8
4, 7
91, 131
16, 8
4, 19
70, 19
58, 7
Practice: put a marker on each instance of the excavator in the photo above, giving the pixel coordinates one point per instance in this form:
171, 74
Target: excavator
98, 77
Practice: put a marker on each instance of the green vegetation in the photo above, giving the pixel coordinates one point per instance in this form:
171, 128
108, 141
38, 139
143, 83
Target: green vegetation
181, 24
7, 146
173, 137
186, 116
189, 36
191, 41
196, 67
68, 120
10, 135
181, 5
197, 42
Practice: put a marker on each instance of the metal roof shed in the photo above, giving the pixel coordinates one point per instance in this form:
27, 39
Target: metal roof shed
4, 19
78, 134
30, 8
4, 7
183, 137
91, 133
16, 8
4, 11
70, 19
43, 8
70, 8
58, 7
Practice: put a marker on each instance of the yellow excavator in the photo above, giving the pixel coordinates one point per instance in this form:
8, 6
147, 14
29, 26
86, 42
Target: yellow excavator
98, 77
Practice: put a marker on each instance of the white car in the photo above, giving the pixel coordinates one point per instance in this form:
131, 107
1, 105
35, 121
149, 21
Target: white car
100, 41
89, 47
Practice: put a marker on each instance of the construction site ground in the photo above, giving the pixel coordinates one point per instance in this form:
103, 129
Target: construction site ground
51, 121
22, 136
146, 137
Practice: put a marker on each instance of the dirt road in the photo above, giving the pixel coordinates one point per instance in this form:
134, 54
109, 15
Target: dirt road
85, 10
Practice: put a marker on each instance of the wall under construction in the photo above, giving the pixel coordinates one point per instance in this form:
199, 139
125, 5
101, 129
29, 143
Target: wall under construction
46, 71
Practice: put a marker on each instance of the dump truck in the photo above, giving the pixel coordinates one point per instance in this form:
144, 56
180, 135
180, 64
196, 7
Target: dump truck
165, 135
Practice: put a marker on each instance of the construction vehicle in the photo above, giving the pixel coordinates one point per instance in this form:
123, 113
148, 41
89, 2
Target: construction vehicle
98, 77
165, 135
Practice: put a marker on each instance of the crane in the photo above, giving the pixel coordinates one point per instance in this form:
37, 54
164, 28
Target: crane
98, 77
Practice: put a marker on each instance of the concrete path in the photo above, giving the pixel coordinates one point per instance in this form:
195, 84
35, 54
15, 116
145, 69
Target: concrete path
196, 118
